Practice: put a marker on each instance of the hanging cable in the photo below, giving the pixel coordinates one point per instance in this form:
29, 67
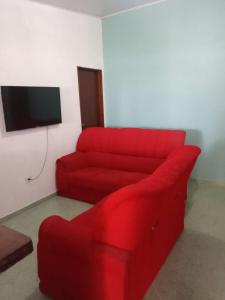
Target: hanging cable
44, 161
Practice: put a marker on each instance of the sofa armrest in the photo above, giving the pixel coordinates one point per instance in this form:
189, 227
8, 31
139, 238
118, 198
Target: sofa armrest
72, 161
59, 236
72, 266
189, 151
127, 216
65, 165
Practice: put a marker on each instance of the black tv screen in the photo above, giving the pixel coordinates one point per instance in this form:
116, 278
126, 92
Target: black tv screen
28, 107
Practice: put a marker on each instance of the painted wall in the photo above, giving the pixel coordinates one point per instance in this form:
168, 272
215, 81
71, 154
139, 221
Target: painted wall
41, 46
164, 67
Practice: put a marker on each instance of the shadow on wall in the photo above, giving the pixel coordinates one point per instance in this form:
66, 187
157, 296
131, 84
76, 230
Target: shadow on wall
214, 161
2, 119
210, 165
195, 137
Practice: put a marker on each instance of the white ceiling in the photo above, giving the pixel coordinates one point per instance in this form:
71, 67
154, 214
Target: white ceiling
99, 8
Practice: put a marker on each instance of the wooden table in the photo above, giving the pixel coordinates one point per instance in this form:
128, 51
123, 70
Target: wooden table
14, 246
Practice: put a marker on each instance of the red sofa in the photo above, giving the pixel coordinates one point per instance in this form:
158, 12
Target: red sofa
114, 250
107, 159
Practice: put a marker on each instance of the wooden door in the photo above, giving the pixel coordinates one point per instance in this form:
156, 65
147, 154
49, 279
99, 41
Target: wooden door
91, 97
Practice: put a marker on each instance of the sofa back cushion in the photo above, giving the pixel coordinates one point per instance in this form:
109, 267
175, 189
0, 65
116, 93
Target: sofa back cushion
127, 215
153, 143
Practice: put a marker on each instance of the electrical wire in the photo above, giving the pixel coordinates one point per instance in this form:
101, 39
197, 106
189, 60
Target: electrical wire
44, 161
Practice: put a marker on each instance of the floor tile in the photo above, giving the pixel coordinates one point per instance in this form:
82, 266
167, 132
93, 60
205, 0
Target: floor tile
194, 270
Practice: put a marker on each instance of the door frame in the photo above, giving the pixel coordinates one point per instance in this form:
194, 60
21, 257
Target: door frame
100, 104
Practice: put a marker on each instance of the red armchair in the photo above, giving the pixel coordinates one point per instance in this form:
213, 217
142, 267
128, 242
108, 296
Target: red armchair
114, 250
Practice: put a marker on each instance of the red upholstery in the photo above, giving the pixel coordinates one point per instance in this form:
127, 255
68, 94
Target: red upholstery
131, 141
123, 162
114, 250
114, 208
105, 179
121, 156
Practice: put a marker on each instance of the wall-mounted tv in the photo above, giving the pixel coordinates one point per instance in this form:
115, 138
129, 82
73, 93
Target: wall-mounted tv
28, 107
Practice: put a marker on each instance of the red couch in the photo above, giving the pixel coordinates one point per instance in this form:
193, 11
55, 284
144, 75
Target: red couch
107, 159
114, 250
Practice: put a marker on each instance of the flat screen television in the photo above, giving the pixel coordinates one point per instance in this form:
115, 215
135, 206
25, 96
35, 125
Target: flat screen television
28, 107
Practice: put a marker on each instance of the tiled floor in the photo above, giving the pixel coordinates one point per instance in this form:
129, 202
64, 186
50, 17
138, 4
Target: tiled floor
195, 269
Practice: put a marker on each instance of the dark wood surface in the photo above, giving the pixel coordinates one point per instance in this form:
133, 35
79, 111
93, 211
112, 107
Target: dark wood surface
14, 246
91, 97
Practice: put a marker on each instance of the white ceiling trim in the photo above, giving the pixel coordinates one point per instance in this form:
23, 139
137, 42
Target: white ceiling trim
133, 8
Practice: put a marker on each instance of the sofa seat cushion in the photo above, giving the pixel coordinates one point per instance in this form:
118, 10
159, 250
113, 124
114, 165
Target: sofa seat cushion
128, 163
106, 180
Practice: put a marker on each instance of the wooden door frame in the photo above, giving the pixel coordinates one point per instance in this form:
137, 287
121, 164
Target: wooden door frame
100, 103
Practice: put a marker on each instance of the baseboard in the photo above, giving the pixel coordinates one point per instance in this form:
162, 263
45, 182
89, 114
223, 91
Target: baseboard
4, 219
209, 182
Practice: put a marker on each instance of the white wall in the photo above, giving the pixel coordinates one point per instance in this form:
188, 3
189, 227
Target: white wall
41, 46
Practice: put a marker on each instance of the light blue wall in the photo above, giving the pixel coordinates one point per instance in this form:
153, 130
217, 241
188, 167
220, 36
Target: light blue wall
165, 68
